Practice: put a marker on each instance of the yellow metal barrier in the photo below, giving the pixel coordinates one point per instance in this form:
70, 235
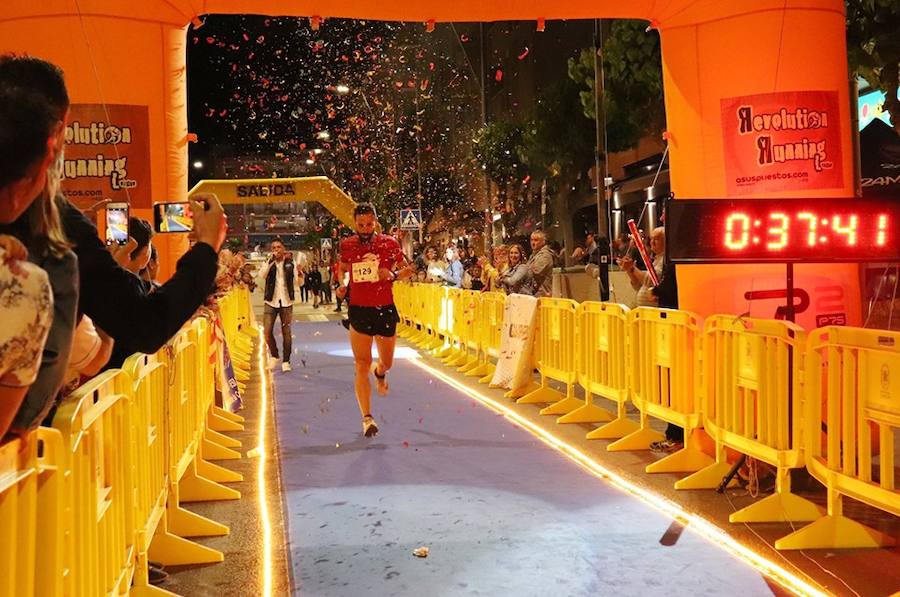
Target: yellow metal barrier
603, 368
234, 308
31, 508
558, 356
402, 294
99, 493
97, 437
752, 374
489, 328
432, 301
214, 445
416, 312
854, 376
465, 314
664, 359
448, 313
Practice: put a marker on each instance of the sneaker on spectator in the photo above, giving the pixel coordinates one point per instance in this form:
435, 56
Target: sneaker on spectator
370, 428
273, 362
666, 445
285, 366
156, 576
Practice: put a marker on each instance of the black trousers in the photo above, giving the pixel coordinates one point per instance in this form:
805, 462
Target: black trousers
269, 315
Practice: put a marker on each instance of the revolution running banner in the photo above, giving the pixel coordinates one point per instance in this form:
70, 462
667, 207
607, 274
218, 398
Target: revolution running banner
785, 141
107, 155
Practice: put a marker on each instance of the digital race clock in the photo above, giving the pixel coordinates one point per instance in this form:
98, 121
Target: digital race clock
782, 230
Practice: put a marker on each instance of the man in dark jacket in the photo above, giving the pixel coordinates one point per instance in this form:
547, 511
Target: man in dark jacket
279, 279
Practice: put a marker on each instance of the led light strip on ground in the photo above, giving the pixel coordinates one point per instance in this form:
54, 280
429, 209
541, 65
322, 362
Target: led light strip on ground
261, 488
700, 525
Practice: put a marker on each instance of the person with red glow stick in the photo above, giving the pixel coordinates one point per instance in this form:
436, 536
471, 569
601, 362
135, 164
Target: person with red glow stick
642, 249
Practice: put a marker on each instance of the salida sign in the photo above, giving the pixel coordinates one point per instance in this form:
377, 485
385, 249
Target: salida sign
265, 190
786, 141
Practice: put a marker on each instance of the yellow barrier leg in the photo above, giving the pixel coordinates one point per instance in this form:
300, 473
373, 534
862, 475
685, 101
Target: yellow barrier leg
568, 404
195, 488
456, 361
185, 523
221, 412
541, 395
835, 531
616, 429
222, 440
587, 413
685, 460
639, 439
479, 370
471, 363
171, 550
516, 393
216, 422
707, 478
489, 375
781, 506
443, 351
689, 459
210, 450
217, 473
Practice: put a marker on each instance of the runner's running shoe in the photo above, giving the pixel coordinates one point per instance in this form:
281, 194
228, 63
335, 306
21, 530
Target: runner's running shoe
370, 428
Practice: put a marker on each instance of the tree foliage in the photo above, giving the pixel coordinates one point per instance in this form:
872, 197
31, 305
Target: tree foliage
559, 138
499, 150
633, 98
873, 48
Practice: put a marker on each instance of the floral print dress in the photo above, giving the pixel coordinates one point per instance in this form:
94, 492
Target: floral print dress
26, 311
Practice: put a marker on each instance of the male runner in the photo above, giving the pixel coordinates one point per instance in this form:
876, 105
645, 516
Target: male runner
375, 262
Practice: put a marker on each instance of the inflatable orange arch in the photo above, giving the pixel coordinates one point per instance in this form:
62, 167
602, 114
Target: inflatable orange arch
125, 60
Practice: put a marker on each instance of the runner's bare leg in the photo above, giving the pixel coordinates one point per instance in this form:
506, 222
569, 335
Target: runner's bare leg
385, 345
362, 355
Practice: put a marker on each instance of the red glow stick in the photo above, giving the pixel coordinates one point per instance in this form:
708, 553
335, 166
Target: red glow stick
639, 243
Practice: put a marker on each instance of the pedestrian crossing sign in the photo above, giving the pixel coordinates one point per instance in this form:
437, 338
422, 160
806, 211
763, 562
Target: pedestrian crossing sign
410, 219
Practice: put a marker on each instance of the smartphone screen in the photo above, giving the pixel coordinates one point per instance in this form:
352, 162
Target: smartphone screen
117, 223
172, 217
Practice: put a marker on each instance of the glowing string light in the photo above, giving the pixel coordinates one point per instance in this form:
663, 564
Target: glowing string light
261, 471
700, 525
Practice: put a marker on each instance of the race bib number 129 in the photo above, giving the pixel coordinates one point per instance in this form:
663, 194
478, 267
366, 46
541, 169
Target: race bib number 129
365, 271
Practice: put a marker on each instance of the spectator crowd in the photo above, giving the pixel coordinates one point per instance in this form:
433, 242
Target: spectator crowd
71, 306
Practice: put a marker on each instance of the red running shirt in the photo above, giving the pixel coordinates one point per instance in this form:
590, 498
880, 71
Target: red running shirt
363, 260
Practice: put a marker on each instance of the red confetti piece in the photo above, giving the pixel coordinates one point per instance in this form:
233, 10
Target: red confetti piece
405, 444
523, 54
498, 76
210, 40
464, 38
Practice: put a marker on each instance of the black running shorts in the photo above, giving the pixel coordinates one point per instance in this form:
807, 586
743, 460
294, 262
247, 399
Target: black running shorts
374, 321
